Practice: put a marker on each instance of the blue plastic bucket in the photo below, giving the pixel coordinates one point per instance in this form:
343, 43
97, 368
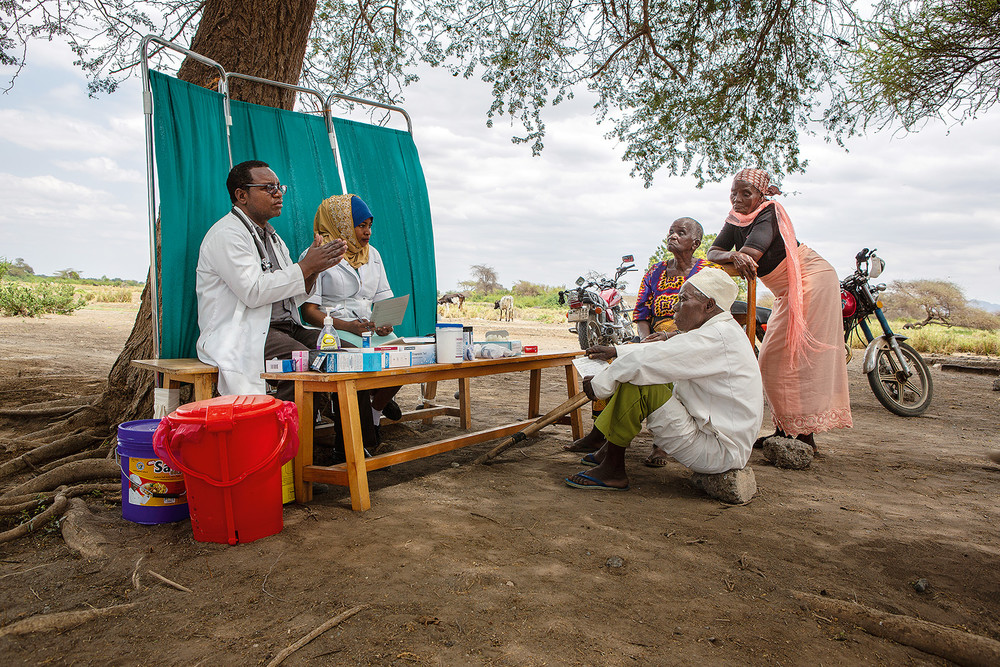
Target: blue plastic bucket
152, 492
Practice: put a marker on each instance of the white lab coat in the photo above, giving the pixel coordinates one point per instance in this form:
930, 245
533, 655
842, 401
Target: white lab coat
235, 296
711, 421
350, 292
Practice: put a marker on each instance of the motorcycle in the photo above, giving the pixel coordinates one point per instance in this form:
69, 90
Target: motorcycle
897, 374
599, 309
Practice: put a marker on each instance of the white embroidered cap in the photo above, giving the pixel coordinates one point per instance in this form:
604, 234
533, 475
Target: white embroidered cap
716, 284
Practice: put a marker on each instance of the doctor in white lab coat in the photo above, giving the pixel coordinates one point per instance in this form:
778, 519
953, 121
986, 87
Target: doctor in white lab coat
247, 285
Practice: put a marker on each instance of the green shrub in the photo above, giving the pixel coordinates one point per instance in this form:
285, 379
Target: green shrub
19, 300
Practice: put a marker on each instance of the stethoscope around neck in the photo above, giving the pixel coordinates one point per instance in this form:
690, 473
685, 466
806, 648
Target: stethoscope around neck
265, 262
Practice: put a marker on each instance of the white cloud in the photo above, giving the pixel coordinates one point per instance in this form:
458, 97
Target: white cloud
102, 168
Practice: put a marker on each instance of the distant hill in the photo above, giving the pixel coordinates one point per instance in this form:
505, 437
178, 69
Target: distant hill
985, 305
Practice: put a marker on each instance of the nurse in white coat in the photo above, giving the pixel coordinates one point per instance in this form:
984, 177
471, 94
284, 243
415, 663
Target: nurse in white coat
349, 289
245, 276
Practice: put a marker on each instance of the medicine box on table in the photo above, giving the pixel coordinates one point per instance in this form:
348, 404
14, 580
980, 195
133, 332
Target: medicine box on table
420, 354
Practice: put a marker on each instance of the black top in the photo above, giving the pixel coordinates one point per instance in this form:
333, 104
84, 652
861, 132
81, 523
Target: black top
761, 234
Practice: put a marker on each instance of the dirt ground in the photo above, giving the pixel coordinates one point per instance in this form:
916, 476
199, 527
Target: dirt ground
505, 565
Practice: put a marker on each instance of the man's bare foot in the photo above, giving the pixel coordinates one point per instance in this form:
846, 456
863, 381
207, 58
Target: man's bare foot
599, 476
657, 458
588, 443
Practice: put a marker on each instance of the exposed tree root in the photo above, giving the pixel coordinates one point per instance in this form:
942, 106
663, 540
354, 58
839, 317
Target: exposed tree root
60, 621
80, 532
56, 511
71, 492
97, 453
962, 648
55, 408
77, 471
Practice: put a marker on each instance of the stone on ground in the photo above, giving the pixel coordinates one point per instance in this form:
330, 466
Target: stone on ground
734, 487
787, 453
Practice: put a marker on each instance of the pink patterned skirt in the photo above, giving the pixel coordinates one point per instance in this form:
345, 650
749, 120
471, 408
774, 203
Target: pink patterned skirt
808, 394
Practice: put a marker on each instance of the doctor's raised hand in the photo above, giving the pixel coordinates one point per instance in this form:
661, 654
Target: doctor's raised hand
320, 257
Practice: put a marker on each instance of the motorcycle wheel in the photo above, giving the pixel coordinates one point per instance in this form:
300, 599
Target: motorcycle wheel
906, 397
588, 333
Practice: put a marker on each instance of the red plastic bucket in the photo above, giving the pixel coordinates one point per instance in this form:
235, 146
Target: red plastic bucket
230, 450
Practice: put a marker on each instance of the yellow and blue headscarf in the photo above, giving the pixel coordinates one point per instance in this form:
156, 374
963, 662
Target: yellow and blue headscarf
337, 217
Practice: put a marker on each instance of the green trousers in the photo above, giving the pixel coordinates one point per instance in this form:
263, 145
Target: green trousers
621, 420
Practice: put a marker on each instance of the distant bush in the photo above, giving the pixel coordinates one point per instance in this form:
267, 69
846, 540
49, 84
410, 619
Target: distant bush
110, 295
18, 300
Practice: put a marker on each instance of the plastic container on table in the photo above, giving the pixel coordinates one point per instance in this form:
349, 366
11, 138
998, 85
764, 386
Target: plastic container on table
449, 342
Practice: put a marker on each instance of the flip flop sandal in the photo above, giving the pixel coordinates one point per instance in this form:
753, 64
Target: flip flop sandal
589, 460
597, 485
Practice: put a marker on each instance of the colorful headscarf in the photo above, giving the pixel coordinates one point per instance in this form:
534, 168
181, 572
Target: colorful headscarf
798, 337
336, 218
758, 178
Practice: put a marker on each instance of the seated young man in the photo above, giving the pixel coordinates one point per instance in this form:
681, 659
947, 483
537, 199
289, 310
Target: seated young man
699, 389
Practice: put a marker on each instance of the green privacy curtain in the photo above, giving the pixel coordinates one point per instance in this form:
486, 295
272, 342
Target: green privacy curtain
297, 147
381, 166
192, 164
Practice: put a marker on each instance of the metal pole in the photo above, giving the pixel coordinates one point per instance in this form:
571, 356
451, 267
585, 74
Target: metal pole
147, 111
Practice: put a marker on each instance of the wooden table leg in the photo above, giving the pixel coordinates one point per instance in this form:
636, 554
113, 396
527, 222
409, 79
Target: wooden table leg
464, 403
304, 401
572, 389
429, 392
350, 424
203, 387
534, 393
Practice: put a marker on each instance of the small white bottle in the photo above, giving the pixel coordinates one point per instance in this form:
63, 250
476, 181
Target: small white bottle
328, 338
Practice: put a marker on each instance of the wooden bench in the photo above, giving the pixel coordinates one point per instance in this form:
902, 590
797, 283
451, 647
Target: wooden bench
176, 372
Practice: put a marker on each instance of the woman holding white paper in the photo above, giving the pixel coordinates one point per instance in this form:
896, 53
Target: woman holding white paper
349, 289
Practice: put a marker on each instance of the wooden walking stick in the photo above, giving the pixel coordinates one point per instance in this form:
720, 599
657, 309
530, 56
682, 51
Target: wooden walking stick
564, 409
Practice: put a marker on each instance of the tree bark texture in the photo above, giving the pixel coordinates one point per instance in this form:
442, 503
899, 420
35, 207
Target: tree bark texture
263, 38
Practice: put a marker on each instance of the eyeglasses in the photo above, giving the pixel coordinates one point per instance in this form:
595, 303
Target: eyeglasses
269, 188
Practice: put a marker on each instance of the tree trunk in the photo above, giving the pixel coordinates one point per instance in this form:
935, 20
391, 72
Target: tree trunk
263, 38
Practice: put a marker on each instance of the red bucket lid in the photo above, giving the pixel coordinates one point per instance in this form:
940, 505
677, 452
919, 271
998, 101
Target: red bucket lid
222, 411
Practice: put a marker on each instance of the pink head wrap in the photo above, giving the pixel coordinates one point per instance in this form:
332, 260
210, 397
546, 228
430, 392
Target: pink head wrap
758, 178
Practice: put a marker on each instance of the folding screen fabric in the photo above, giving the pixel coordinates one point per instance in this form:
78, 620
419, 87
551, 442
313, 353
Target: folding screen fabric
192, 163
297, 147
382, 167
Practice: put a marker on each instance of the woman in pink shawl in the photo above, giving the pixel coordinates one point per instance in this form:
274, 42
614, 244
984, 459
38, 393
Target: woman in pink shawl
802, 355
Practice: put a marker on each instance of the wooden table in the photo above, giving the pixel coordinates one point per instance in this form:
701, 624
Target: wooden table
354, 472
178, 371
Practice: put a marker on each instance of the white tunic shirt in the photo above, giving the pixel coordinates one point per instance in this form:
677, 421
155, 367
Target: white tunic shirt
235, 295
350, 292
712, 419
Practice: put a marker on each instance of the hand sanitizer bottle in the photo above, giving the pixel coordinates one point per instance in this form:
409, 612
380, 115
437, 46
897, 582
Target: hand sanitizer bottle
328, 338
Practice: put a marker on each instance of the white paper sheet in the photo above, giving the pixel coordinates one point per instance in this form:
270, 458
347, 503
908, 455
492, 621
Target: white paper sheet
586, 366
390, 312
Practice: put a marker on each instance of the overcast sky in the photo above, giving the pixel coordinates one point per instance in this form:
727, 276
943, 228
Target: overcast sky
74, 195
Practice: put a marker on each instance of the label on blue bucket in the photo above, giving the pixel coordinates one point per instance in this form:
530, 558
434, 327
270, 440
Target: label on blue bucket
152, 483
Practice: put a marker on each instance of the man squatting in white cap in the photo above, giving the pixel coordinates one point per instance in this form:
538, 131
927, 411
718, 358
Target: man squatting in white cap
698, 388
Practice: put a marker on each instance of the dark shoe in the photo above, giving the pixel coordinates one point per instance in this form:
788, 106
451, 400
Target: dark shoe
392, 411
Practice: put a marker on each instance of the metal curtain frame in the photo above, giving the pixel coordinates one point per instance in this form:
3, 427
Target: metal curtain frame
147, 110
